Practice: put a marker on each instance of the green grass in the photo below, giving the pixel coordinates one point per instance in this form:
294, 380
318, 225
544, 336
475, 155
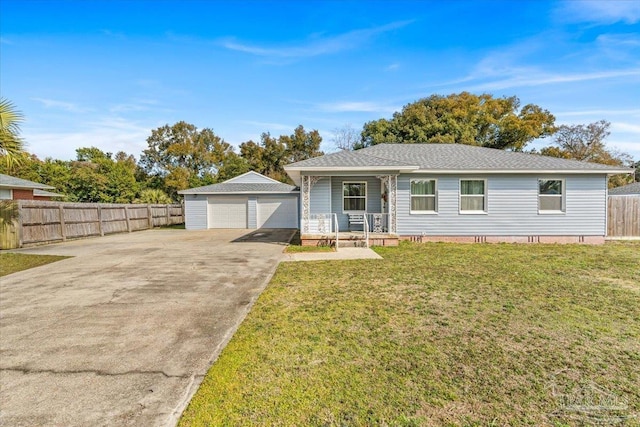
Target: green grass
434, 334
11, 262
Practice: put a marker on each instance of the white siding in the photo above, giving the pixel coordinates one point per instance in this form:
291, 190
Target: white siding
512, 208
195, 209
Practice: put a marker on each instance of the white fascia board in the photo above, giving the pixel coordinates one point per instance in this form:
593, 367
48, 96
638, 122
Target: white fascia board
310, 170
523, 171
227, 193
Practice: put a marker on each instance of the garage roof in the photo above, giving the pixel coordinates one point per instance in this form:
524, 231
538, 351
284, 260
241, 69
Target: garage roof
248, 183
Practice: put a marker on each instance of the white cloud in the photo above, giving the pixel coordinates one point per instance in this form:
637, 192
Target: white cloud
317, 45
356, 106
110, 134
61, 105
599, 12
628, 128
528, 79
392, 67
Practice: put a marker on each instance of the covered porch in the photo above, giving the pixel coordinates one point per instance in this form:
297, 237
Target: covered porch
348, 209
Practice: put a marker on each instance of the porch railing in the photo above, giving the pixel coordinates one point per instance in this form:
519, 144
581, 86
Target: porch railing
365, 227
324, 223
377, 222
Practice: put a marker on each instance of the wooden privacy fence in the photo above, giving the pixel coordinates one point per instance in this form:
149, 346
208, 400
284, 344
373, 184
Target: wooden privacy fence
26, 222
624, 216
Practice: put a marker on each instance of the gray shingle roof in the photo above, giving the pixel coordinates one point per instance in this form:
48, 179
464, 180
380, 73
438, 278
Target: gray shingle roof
13, 182
231, 187
633, 188
449, 157
355, 159
43, 193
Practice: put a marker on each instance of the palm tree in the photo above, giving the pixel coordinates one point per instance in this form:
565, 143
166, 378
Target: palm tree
11, 145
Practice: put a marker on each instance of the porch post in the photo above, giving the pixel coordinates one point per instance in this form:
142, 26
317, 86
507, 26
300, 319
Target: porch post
307, 183
393, 186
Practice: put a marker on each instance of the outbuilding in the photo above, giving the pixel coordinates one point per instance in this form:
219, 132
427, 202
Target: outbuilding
247, 201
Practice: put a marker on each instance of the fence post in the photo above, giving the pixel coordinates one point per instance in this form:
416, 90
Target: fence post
100, 220
63, 226
150, 216
168, 214
126, 216
20, 234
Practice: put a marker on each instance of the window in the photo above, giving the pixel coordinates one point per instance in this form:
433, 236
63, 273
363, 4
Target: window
550, 195
473, 195
423, 195
354, 196
6, 194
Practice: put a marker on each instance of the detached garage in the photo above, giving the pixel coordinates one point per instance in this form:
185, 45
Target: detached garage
249, 201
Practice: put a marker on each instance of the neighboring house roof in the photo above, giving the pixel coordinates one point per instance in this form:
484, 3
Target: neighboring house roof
7, 181
448, 158
43, 193
633, 188
248, 183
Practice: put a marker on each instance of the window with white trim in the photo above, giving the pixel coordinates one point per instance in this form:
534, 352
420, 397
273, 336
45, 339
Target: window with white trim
6, 194
473, 195
354, 196
423, 196
550, 195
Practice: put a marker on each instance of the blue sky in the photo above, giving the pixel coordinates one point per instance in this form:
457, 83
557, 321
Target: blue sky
105, 73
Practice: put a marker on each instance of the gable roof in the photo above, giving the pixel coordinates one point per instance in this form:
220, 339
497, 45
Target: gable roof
633, 188
8, 181
252, 177
248, 183
448, 158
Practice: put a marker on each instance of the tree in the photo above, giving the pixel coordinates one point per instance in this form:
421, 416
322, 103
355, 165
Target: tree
183, 156
346, 138
301, 145
11, 145
153, 196
587, 143
97, 176
463, 118
271, 155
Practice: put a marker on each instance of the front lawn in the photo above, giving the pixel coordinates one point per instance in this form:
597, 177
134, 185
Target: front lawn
11, 262
437, 334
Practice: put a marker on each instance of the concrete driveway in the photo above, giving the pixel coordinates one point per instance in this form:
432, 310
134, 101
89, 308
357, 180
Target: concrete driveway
123, 332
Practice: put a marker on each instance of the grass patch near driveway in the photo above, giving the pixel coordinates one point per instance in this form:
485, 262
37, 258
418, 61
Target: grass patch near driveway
12, 263
436, 334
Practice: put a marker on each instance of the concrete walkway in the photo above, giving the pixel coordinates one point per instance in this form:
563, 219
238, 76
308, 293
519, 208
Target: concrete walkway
341, 254
123, 333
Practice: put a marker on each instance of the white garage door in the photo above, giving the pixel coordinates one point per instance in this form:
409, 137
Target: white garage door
227, 212
277, 212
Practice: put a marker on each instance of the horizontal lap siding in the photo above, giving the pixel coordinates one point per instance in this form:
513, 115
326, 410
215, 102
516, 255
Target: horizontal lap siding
195, 212
320, 200
374, 204
512, 208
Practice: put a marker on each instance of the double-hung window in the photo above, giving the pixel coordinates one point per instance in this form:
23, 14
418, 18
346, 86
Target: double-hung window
473, 196
354, 196
550, 196
423, 196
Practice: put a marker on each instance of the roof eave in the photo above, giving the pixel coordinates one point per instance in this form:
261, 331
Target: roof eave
349, 168
527, 171
238, 192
